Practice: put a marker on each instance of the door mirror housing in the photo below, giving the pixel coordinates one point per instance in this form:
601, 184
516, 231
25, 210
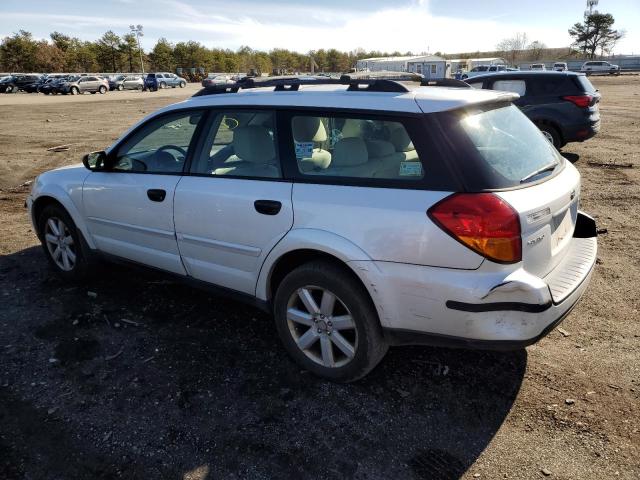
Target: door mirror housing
95, 161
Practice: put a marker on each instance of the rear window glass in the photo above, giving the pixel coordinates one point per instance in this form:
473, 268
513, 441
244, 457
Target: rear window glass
510, 145
585, 83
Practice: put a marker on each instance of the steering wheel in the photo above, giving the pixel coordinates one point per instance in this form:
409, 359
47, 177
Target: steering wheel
180, 150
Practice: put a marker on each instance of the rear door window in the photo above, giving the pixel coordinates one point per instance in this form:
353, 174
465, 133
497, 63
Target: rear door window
585, 84
515, 86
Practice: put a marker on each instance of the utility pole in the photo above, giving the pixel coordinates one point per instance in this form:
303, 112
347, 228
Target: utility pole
137, 31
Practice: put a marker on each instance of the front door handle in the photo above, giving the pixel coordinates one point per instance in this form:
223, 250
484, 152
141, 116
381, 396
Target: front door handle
267, 207
156, 194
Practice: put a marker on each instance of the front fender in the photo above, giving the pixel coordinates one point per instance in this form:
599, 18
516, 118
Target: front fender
69, 196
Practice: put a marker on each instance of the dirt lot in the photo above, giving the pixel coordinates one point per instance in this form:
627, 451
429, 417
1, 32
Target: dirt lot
134, 376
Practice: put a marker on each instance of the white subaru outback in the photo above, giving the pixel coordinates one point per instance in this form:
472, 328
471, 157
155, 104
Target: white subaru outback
362, 213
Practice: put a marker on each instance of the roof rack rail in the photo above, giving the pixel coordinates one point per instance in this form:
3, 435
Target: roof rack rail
369, 81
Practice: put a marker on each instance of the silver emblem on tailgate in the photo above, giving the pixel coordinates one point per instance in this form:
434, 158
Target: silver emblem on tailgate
533, 241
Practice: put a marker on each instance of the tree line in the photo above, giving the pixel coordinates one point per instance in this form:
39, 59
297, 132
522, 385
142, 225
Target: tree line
21, 52
595, 33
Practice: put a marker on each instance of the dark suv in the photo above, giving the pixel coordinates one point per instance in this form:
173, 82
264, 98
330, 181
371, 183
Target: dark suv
18, 82
564, 105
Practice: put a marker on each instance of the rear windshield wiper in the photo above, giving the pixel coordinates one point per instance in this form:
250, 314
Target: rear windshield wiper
547, 168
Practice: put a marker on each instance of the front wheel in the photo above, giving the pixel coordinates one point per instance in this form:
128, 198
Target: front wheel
328, 323
120, 87
62, 243
74, 91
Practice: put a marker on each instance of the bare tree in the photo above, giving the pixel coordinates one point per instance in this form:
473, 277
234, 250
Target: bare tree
536, 48
511, 46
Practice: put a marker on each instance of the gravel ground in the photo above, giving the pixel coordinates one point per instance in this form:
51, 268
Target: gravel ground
134, 376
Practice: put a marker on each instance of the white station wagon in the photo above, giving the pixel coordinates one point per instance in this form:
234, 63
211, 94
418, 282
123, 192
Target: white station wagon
361, 212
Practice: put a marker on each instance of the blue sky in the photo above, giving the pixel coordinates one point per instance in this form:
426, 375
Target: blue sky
417, 25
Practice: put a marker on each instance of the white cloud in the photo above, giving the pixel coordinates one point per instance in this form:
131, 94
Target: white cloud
265, 25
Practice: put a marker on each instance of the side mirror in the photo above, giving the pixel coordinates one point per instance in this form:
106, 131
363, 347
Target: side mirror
95, 161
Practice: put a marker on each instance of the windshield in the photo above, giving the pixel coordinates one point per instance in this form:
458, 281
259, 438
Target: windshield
510, 145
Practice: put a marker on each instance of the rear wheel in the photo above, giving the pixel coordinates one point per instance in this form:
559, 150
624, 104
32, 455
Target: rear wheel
552, 135
102, 90
327, 322
183, 84
163, 85
63, 245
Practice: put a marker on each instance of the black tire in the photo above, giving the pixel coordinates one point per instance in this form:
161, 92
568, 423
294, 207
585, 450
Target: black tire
84, 261
74, 91
163, 85
370, 346
11, 89
120, 87
102, 90
553, 133
183, 84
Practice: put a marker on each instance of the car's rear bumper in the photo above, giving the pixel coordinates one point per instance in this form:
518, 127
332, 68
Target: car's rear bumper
476, 308
581, 132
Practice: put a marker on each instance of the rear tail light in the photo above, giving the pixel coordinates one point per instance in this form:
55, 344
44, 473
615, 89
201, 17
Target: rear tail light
483, 222
582, 101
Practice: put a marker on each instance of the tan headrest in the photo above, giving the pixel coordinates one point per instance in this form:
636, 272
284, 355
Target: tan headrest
349, 152
400, 139
308, 129
253, 144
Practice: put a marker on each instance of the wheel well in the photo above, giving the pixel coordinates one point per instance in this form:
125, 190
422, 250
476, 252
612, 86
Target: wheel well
292, 260
39, 205
553, 125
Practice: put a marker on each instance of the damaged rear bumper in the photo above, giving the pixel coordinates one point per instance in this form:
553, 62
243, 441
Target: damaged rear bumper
476, 309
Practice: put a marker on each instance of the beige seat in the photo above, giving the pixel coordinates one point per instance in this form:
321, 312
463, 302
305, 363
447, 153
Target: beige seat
403, 144
384, 155
311, 130
351, 159
255, 152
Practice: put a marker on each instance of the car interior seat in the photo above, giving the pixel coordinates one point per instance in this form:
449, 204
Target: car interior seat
311, 130
253, 145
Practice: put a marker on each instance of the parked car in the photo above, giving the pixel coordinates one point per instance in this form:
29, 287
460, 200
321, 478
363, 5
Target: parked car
115, 81
537, 66
463, 230
155, 81
217, 80
600, 67
34, 86
15, 83
564, 105
127, 82
52, 86
482, 70
560, 67
83, 84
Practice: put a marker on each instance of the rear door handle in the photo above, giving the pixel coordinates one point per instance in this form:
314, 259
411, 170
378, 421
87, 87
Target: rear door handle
267, 207
156, 194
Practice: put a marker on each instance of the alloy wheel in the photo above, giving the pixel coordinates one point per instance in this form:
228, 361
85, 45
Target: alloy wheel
548, 136
60, 244
322, 326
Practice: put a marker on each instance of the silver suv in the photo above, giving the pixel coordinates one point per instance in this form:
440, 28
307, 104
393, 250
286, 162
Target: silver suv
362, 212
83, 84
